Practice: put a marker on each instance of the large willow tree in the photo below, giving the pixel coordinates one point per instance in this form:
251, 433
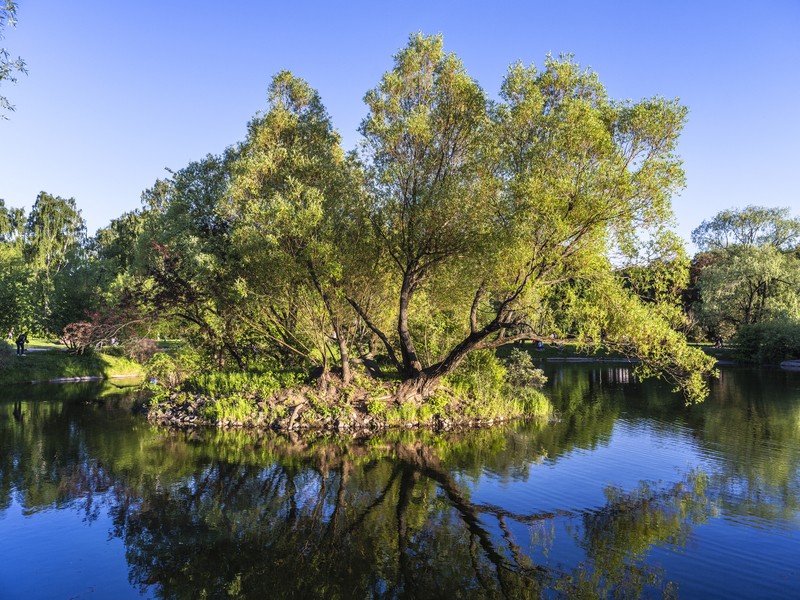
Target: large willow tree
501, 218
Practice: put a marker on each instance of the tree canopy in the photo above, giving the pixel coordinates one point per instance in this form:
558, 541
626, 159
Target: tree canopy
485, 213
751, 272
8, 66
750, 226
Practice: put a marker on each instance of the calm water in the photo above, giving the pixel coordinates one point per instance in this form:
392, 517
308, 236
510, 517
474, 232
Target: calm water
629, 494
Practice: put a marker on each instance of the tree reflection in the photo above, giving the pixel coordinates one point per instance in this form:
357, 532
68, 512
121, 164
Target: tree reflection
393, 526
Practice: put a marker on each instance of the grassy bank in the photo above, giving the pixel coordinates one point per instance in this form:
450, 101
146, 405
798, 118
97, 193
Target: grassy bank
484, 391
353, 409
43, 363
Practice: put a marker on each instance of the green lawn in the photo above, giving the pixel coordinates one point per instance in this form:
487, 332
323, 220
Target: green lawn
46, 361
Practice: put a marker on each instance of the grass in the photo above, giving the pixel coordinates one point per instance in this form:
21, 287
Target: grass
45, 362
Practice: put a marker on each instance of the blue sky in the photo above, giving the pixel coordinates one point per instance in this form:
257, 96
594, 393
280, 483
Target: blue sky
119, 91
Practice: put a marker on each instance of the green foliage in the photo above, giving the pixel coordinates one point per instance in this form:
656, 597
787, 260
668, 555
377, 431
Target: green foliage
236, 408
491, 389
376, 408
169, 370
55, 234
750, 226
481, 376
749, 272
8, 66
465, 224
291, 202
521, 372
768, 343
606, 313
749, 284
259, 385
18, 312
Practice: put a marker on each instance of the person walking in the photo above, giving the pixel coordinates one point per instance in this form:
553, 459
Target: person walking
21, 341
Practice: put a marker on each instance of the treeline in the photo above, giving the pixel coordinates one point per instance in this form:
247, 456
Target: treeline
462, 224
44, 257
745, 282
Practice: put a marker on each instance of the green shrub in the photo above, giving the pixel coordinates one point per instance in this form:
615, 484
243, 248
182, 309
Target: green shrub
376, 408
768, 343
492, 390
163, 371
521, 372
171, 369
481, 376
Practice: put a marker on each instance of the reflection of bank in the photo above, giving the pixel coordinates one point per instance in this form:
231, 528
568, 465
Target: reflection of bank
611, 375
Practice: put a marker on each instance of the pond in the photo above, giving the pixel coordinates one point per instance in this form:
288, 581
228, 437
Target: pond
628, 494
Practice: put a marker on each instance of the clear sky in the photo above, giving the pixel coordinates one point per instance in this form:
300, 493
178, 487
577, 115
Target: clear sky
119, 91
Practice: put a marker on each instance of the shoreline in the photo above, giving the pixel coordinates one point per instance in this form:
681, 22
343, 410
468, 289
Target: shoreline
80, 379
302, 410
356, 428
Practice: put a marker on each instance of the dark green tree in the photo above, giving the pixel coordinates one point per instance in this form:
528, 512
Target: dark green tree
187, 259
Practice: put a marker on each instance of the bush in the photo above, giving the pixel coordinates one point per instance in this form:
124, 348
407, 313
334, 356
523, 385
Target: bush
6, 350
521, 371
481, 376
769, 342
219, 384
234, 408
171, 370
141, 349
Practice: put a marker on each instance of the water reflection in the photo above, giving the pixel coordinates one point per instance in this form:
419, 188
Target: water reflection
407, 515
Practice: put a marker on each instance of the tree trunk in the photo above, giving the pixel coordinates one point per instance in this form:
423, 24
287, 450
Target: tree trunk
411, 363
417, 387
345, 355
424, 382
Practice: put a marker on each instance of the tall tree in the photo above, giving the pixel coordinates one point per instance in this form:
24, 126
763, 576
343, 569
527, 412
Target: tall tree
499, 207
187, 256
55, 234
749, 226
292, 194
748, 285
749, 269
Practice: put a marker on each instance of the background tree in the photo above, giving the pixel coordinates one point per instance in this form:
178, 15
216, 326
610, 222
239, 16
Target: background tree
750, 271
55, 235
750, 226
16, 310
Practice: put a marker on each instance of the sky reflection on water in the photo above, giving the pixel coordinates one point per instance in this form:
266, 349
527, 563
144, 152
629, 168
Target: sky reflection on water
629, 492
